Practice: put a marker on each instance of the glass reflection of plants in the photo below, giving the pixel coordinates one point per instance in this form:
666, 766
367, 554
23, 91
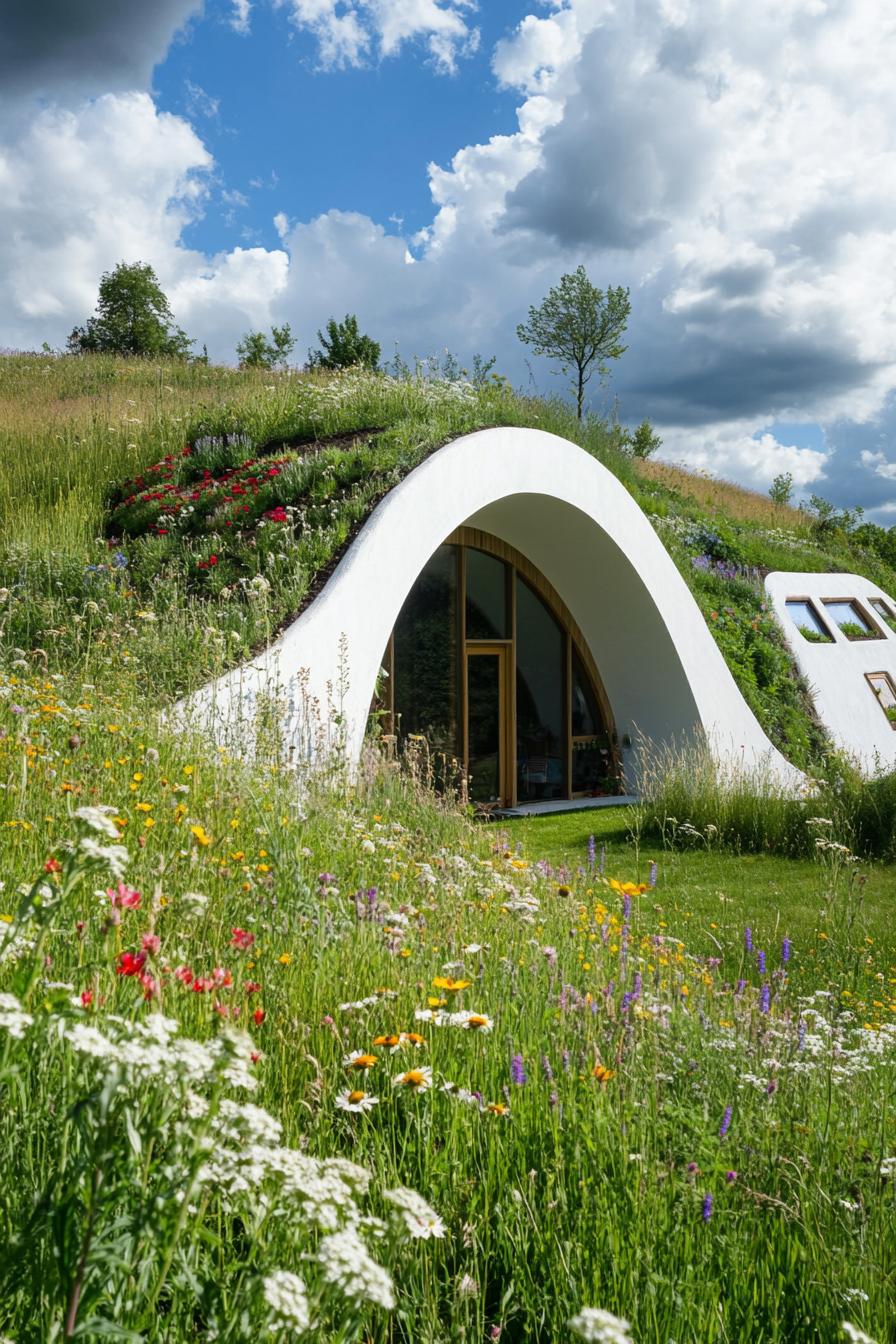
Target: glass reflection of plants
883, 611
486, 596
425, 660
594, 768
813, 636
850, 619
484, 727
540, 720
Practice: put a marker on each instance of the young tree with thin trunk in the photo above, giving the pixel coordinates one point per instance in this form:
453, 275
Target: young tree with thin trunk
579, 326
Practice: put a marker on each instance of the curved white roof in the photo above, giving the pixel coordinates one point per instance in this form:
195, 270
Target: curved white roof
662, 670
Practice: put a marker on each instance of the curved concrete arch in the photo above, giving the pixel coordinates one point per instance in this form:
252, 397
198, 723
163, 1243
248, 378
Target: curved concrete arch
662, 670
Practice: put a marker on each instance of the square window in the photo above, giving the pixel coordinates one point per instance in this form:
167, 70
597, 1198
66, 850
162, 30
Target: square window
807, 621
885, 694
851, 619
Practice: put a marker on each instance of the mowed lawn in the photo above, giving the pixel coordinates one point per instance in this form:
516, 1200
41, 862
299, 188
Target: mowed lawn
708, 896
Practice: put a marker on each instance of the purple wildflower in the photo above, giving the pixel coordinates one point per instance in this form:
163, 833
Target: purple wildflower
626, 907
554, 1100
785, 951
626, 1000
739, 988
706, 1212
517, 1072
592, 851
651, 877
748, 938
801, 1037
566, 1061
771, 1087
730, 1176
637, 986
726, 1122
546, 1068
760, 962
765, 999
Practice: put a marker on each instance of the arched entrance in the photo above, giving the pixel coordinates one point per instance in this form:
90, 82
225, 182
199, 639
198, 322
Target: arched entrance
487, 664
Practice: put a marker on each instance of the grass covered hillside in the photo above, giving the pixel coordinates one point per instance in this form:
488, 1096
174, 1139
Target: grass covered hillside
211, 501
347, 1065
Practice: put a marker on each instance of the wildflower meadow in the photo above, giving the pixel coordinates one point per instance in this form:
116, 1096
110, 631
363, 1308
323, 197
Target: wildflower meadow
333, 1059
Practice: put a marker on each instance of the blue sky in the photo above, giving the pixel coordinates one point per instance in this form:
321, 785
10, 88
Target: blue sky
317, 139
436, 165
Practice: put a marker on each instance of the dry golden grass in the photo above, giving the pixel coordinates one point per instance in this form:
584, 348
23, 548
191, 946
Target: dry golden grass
717, 496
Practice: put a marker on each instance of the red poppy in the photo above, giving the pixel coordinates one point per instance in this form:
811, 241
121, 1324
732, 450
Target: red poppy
130, 963
258, 1016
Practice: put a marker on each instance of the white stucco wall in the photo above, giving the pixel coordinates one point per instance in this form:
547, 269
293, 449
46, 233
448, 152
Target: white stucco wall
663, 673
835, 672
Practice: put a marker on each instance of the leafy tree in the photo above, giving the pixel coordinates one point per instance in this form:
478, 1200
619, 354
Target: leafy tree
827, 519
781, 489
255, 351
644, 440
579, 326
132, 317
344, 346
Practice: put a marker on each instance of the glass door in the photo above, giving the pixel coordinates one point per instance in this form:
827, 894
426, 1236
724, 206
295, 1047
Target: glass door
487, 728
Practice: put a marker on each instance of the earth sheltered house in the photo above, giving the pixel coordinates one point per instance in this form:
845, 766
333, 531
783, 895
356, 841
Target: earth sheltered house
509, 603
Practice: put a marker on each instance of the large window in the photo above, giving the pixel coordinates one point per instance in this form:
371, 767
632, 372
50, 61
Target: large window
486, 665
424, 670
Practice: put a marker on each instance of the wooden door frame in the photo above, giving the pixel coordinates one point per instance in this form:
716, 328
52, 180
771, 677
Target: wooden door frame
504, 651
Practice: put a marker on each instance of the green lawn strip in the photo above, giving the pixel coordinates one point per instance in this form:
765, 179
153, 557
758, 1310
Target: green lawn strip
711, 895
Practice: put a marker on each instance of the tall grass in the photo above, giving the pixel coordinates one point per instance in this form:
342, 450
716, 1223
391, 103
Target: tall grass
688, 799
698, 1144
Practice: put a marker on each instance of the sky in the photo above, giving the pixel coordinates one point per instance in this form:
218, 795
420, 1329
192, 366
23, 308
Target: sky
435, 166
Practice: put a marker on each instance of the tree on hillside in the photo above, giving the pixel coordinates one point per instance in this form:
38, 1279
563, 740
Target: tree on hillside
132, 317
781, 489
344, 346
579, 326
255, 351
644, 440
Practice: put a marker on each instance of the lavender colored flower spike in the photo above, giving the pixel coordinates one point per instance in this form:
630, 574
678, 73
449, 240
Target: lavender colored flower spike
546, 1068
726, 1122
706, 1212
592, 851
760, 962
517, 1071
637, 986
785, 951
765, 999
626, 908
748, 938
651, 877
801, 1037
740, 987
